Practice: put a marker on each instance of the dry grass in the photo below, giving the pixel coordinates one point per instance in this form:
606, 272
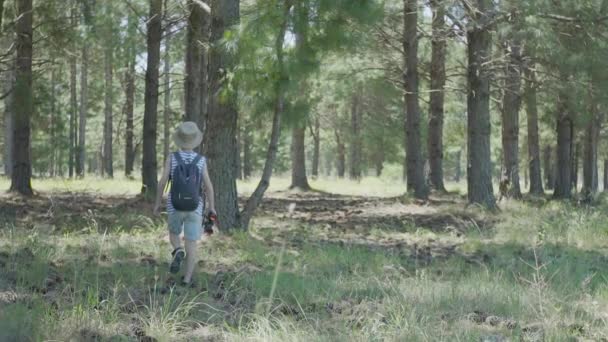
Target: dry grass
336, 269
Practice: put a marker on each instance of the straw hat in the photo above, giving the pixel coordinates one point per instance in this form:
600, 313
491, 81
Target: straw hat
187, 135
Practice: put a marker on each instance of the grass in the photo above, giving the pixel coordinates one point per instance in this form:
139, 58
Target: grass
532, 269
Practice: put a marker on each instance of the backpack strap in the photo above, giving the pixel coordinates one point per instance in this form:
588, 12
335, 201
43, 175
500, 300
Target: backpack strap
197, 159
178, 158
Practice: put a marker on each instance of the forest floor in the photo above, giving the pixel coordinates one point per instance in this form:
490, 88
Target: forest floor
85, 261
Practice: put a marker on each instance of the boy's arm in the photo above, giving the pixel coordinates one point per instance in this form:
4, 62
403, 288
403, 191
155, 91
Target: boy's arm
162, 184
208, 188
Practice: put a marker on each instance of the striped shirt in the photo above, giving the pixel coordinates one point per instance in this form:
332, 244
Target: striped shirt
187, 157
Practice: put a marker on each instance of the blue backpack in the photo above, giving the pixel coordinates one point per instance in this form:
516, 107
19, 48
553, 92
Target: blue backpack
186, 184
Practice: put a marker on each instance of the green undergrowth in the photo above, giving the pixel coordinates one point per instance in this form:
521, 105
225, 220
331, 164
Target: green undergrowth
540, 269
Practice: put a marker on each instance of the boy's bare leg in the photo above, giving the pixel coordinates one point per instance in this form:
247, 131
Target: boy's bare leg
191, 259
175, 241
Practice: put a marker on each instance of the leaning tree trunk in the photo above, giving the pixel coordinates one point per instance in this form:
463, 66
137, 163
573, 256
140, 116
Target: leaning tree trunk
316, 135
149, 162
356, 139
108, 125
341, 152
563, 182
510, 117
279, 108
221, 123
298, 158
534, 167
24, 102
479, 166
437, 96
167, 100
414, 160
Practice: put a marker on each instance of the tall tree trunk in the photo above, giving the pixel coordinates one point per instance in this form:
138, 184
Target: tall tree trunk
9, 115
548, 165
279, 108
167, 100
24, 102
479, 166
53, 124
458, 173
355, 137
298, 158
108, 125
316, 135
510, 117
149, 162
414, 160
341, 151
590, 157
129, 105
563, 182
195, 57
534, 167
73, 109
575, 158
239, 148
605, 175
247, 145
437, 96
82, 119
221, 126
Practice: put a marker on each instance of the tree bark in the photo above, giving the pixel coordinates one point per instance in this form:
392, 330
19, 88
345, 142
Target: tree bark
458, 173
576, 153
9, 117
341, 151
590, 157
356, 139
534, 167
316, 135
149, 162
221, 123
605, 175
129, 104
479, 166
548, 165
563, 182
73, 108
24, 102
279, 108
437, 96
82, 119
414, 160
53, 124
195, 82
247, 145
510, 117
108, 124
167, 99
298, 158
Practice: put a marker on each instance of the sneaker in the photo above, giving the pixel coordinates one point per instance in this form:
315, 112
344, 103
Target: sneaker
178, 256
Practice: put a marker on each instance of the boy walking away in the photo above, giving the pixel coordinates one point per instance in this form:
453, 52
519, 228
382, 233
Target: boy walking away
187, 171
